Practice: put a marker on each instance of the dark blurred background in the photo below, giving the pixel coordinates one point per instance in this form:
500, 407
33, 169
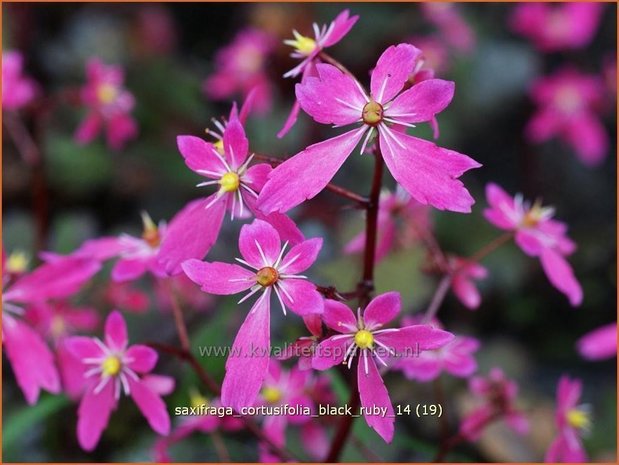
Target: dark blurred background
526, 326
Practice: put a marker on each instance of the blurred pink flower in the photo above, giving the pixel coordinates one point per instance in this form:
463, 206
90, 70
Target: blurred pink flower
111, 367
304, 347
363, 334
499, 396
308, 50
155, 31
109, 104
429, 173
567, 105
463, 273
18, 90
537, 235
599, 344
240, 67
270, 271
572, 420
124, 296
561, 26
452, 26
434, 58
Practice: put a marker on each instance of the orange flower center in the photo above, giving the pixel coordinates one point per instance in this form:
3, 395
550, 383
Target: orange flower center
267, 276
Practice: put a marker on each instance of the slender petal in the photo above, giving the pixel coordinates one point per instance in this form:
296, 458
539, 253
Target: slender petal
259, 244
236, 144
301, 296
128, 270
143, 358
422, 337
373, 393
116, 331
301, 256
151, 406
219, 278
199, 154
331, 352
422, 101
382, 309
560, 274
339, 317
93, 416
392, 71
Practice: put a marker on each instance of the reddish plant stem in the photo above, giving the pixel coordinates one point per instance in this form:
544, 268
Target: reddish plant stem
329, 59
491, 247
365, 288
181, 328
437, 299
459, 438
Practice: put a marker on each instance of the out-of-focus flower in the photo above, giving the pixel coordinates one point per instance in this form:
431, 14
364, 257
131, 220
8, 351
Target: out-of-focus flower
111, 367
434, 59
567, 105
124, 296
572, 421
194, 230
155, 31
551, 28
109, 103
599, 344
456, 357
18, 89
240, 67
499, 396
401, 222
452, 26
270, 271
304, 347
463, 273
308, 49
16, 264
363, 334
429, 173
538, 235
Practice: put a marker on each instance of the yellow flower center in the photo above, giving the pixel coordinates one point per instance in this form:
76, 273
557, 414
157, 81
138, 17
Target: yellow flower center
229, 182
304, 45
111, 366
267, 276
219, 146
372, 113
197, 400
534, 215
578, 419
58, 326
17, 263
272, 395
107, 93
364, 339
150, 232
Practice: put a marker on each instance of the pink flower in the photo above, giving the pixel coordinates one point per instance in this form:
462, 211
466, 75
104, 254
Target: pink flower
567, 104
452, 26
397, 210
599, 344
27, 352
241, 67
426, 171
308, 51
434, 58
363, 334
271, 270
499, 395
538, 235
464, 272
124, 296
18, 90
108, 103
194, 230
557, 27
111, 367
572, 420
456, 358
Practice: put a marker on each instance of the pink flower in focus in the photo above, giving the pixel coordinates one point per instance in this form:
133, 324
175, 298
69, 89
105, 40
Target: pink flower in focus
363, 334
194, 230
111, 367
109, 104
499, 396
426, 171
270, 270
562, 26
18, 90
572, 421
456, 358
567, 104
455, 30
463, 273
599, 344
308, 51
240, 67
397, 210
538, 235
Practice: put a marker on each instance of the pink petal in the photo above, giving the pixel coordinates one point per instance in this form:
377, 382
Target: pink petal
373, 393
290, 121
143, 358
331, 352
392, 70
306, 253
257, 236
339, 317
502, 212
342, 24
307, 173
88, 129
568, 393
151, 406
422, 101
287, 229
191, 233
159, 384
588, 136
248, 362
257, 175
116, 331
199, 154
428, 172
120, 129
315, 440
128, 270
235, 143
382, 309
305, 298
466, 292
102, 248
332, 98
599, 344
560, 274
219, 278
71, 371
416, 337
93, 415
